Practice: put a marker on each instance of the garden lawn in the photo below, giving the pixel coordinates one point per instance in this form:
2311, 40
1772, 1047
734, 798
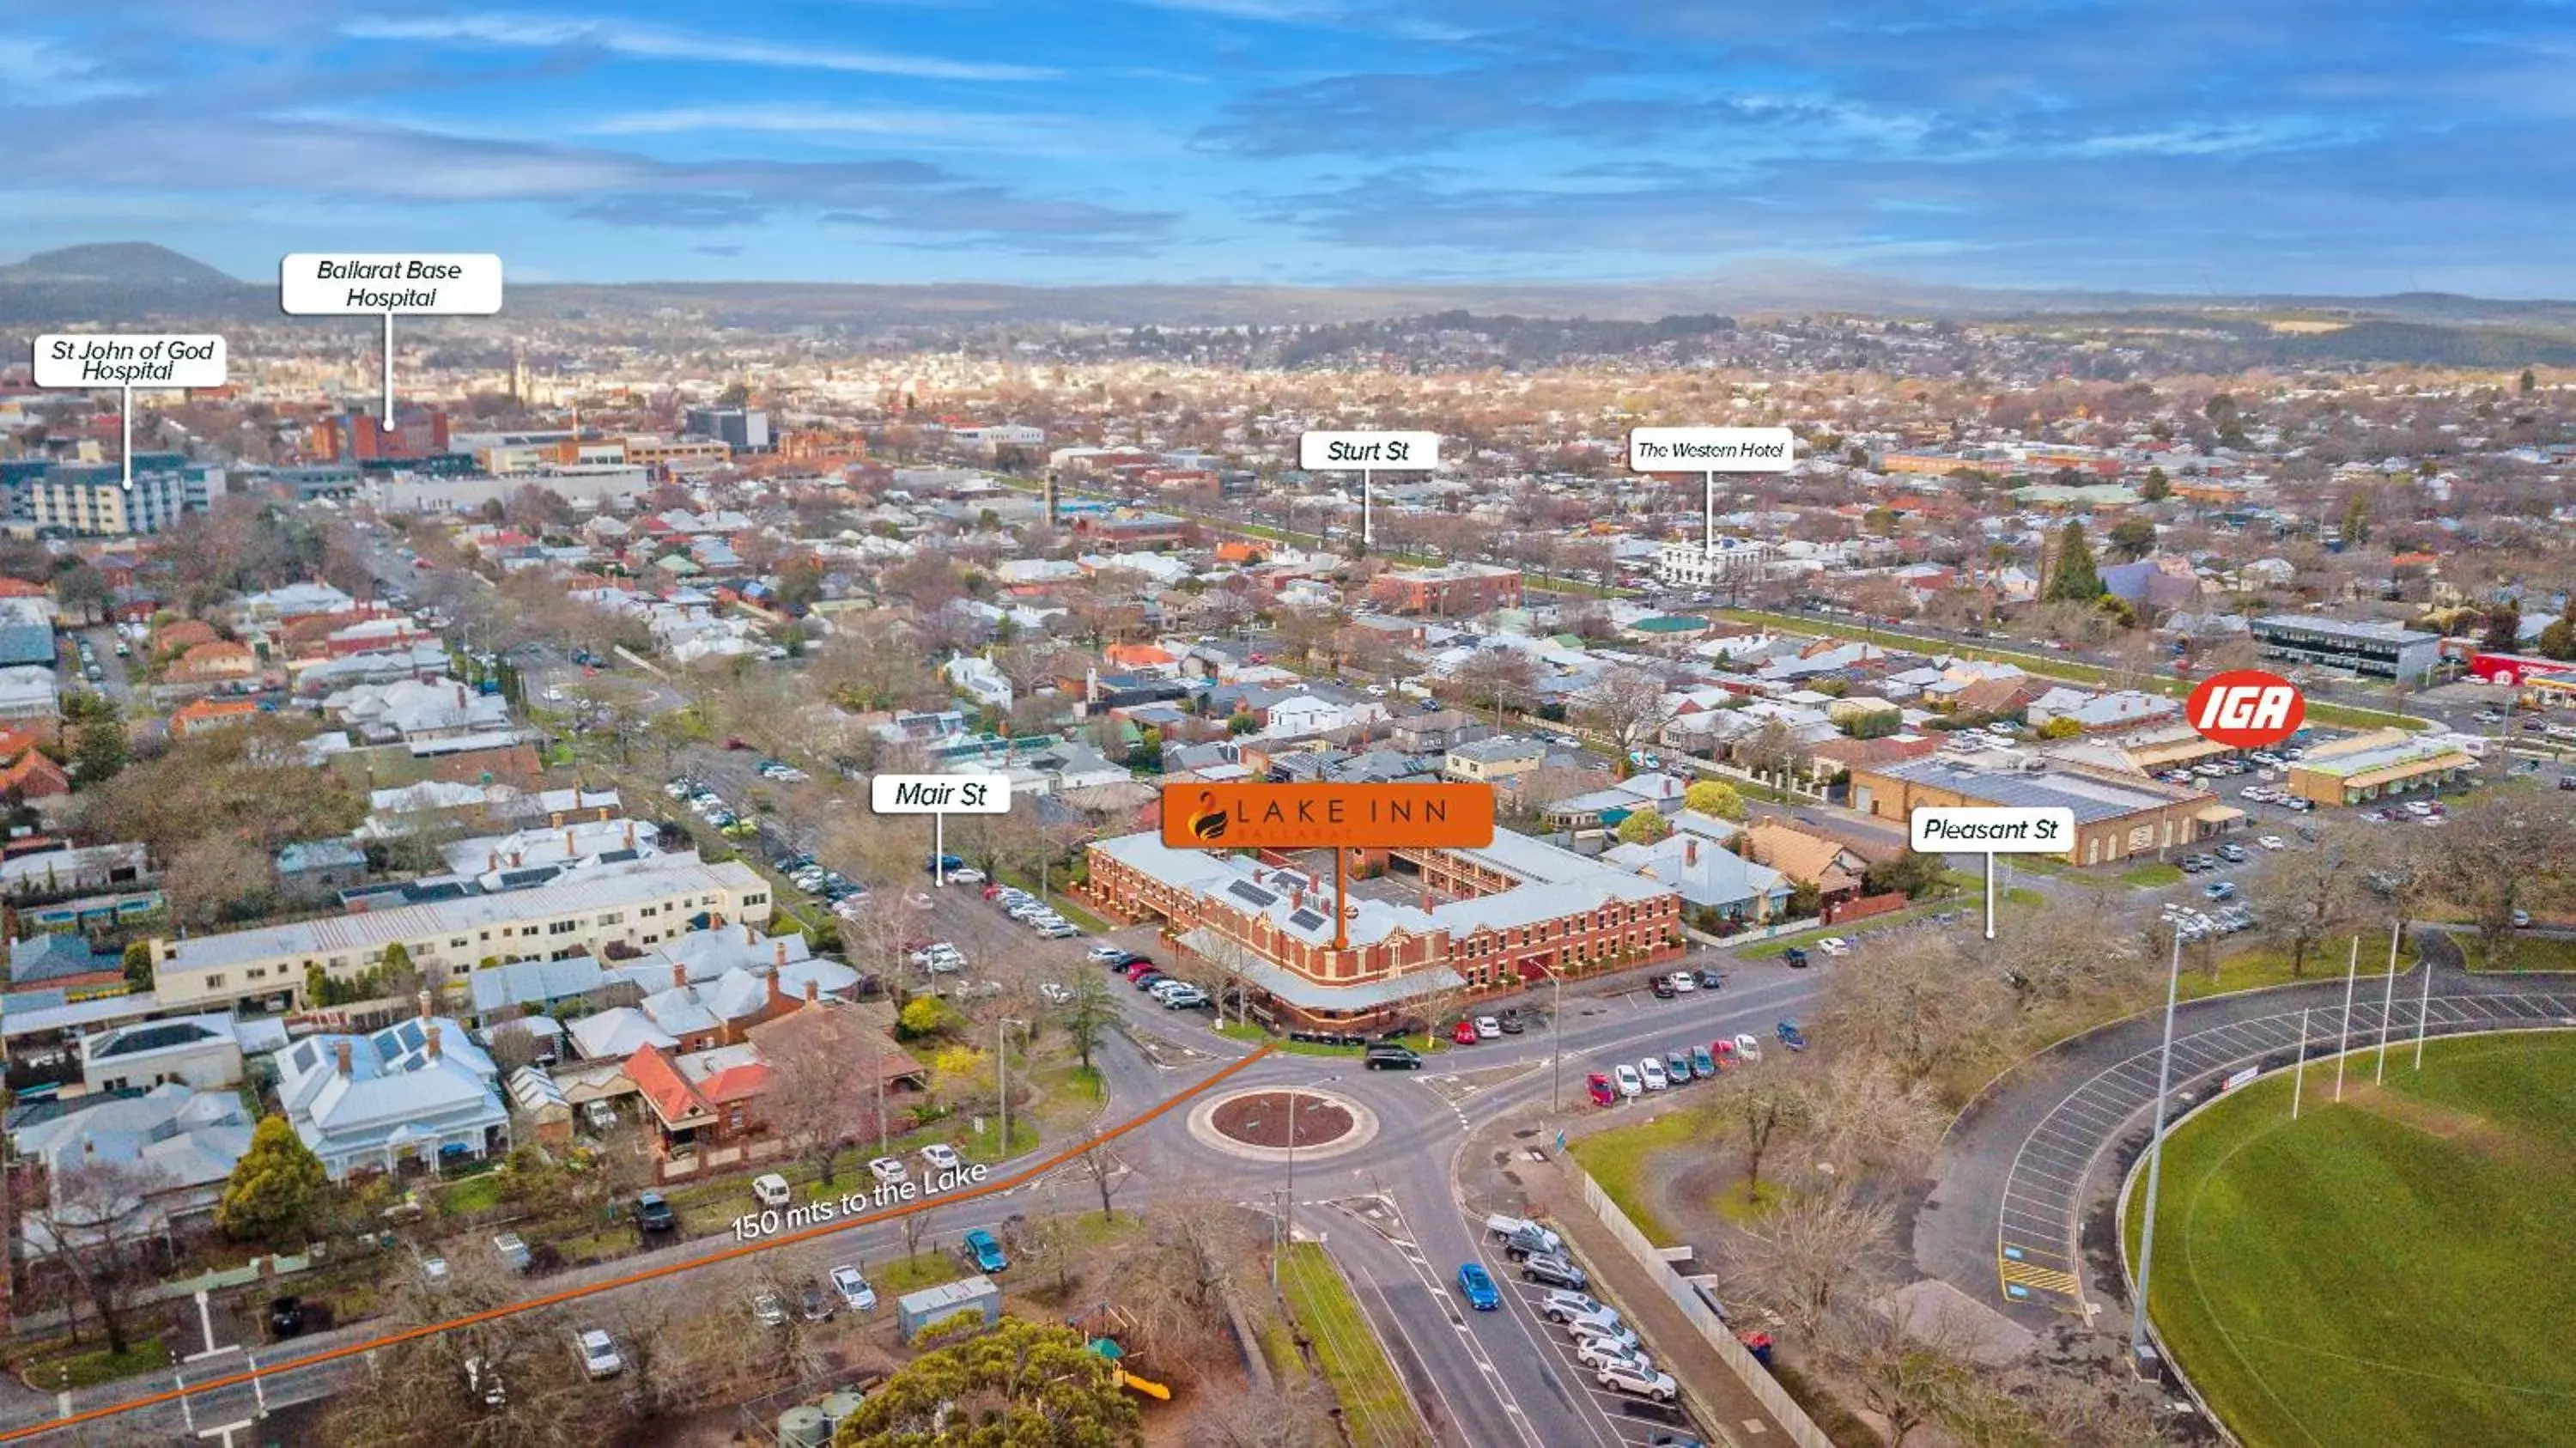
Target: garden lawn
2384, 1272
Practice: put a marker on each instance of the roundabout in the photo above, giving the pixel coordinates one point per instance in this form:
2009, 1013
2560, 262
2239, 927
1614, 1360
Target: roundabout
1277, 1123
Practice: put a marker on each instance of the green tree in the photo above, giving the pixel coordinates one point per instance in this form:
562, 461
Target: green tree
735, 394
2132, 539
2558, 640
2528, 384
1644, 827
920, 1017
1087, 1013
2356, 519
1711, 797
1241, 723
2503, 631
274, 1188
2073, 579
2157, 487
99, 747
1914, 874
1018, 1385
2060, 727
138, 964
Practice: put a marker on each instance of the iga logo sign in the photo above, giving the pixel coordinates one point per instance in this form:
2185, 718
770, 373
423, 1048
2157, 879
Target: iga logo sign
2246, 708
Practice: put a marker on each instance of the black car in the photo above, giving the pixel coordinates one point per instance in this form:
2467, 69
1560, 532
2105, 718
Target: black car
1389, 1057
1150, 979
1662, 986
2567, 781
1512, 1023
653, 1214
813, 1303
285, 1316
1553, 1270
1710, 980
1796, 956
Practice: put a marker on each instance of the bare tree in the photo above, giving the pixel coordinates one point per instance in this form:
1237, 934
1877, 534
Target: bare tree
2307, 897
1755, 1111
97, 1222
826, 1082
1629, 705
1294, 1414
1106, 1172
1909, 1369
1871, 1123
1921, 1003
1809, 1258
2501, 842
1087, 1013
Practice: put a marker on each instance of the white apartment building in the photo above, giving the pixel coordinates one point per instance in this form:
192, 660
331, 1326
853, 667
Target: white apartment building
638, 905
1701, 565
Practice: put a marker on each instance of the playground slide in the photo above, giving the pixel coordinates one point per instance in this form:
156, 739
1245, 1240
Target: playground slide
1149, 1389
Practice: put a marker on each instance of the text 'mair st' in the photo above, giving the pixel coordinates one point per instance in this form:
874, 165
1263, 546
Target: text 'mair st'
1320, 816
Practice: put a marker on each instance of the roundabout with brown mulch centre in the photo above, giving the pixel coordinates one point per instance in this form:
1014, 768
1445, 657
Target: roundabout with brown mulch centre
1261, 1119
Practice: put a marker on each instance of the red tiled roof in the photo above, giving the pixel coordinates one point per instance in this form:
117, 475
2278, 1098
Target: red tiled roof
736, 1083
654, 1074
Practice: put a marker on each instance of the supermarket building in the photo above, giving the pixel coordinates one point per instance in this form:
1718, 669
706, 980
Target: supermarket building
1482, 921
2377, 765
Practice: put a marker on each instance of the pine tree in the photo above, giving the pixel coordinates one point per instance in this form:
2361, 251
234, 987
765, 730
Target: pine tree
2157, 487
2074, 579
274, 1188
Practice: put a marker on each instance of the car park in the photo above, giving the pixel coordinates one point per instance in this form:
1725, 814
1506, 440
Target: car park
1651, 1071
1477, 1286
985, 1251
1630, 1083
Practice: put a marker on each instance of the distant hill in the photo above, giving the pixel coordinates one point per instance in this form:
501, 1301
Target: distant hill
116, 263
133, 282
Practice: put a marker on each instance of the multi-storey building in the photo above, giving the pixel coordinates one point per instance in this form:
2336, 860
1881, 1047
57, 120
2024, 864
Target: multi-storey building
635, 905
2370, 649
1705, 565
1454, 590
91, 500
1487, 920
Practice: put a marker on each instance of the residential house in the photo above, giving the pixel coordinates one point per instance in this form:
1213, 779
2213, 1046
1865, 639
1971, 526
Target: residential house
182, 1141
410, 1095
201, 1051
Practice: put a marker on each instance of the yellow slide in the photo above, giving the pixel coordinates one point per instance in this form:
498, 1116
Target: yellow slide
1149, 1389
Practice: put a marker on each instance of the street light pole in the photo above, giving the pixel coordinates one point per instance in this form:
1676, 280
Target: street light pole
2156, 1161
1002, 1078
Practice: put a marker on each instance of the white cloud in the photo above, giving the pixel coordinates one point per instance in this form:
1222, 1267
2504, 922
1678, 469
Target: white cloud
651, 42
917, 128
38, 72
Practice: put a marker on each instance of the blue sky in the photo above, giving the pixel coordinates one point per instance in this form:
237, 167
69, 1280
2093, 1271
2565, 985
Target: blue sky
2191, 146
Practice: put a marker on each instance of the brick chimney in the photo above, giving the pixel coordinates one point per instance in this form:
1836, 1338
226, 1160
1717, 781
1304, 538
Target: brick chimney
813, 991
424, 1005
435, 1033
1690, 850
340, 1050
1297, 897
630, 834
778, 953
679, 976
568, 845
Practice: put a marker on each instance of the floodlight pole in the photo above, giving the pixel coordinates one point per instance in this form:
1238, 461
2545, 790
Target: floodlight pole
2423, 1006
2155, 1159
2387, 1008
2343, 1042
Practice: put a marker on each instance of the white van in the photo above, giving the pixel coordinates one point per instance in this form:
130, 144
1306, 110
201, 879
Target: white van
771, 1189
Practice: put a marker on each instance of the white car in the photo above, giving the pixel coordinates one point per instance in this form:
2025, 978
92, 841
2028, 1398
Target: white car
1488, 1028
1619, 1378
1106, 953
1630, 1083
1834, 945
1563, 1303
1749, 1047
599, 1354
1057, 930
1597, 1353
771, 1189
888, 1170
1602, 1324
966, 877
1683, 982
940, 1156
1651, 1071
2270, 842
854, 1289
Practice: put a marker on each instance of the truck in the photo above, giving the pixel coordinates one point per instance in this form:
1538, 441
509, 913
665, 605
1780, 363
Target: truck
1520, 1236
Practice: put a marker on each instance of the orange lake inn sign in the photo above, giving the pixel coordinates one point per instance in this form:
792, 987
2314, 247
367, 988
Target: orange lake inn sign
1337, 817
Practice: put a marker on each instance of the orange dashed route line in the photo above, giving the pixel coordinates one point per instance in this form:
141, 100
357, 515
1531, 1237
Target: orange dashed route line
668, 1269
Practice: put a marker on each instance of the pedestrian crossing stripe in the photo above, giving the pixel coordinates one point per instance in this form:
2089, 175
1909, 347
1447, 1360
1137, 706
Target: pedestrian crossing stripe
2046, 1279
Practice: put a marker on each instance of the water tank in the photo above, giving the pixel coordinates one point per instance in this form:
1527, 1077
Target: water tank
803, 1428
841, 1407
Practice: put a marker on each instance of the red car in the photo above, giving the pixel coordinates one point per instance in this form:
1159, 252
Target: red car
1137, 968
1603, 1093
1464, 1033
1722, 1051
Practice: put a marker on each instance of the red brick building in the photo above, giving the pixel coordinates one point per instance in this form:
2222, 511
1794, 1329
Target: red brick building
1477, 922
1454, 591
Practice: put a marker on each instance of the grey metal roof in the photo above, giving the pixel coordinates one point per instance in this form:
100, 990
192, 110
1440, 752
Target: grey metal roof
2093, 800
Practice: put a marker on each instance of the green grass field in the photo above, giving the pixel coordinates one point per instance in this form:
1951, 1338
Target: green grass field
2388, 1272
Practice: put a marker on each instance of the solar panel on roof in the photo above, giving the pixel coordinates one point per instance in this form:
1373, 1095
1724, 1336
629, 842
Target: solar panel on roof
304, 1056
411, 1036
1253, 894
1306, 920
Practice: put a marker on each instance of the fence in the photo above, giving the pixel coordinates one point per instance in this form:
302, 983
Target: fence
1757, 1380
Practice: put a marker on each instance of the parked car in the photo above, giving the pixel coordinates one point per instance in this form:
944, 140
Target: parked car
1630, 1083
1792, 1037
1684, 982
1748, 1047
1662, 987
812, 1303
1794, 957
772, 1190
1702, 1063
1710, 979
1183, 997
598, 1353
513, 1250
887, 1170
1598, 1087
1463, 1033
285, 1316
1645, 1383
769, 1309
1595, 1353
855, 1292
2219, 889
1834, 945
1566, 1305
1512, 1023
1651, 1071
985, 1251
1488, 1028
1477, 1285
1601, 1322
653, 1214
940, 1156
1554, 1270
1677, 1067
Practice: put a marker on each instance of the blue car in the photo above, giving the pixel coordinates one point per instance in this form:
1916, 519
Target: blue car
1478, 1284
986, 1252
1792, 1037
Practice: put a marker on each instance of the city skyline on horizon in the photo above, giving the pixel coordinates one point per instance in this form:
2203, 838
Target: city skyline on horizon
1314, 142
